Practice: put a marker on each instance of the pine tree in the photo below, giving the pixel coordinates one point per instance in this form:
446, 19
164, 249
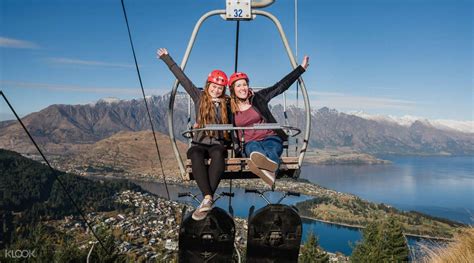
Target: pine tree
381, 242
367, 249
311, 252
395, 245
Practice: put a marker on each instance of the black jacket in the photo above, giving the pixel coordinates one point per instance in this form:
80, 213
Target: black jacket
261, 98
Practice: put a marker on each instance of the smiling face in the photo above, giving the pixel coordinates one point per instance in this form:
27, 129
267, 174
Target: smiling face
241, 89
215, 91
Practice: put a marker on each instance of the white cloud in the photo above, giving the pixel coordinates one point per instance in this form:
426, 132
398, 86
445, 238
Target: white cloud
16, 43
345, 102
89, 63
80, 89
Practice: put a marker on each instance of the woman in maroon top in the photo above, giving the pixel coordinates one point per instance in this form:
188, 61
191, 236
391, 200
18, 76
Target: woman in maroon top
264, 147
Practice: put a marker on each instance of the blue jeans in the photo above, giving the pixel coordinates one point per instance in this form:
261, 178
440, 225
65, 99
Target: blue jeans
272, 147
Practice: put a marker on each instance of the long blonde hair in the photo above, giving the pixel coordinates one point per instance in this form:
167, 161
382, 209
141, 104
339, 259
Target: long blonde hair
207, 113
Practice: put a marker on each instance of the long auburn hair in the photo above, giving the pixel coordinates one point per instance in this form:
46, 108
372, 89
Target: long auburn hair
207, 113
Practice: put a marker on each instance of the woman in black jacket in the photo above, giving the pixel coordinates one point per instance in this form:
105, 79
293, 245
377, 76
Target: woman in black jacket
264, 147
211, 108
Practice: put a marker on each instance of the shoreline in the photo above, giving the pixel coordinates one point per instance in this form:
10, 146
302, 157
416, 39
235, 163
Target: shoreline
359, 227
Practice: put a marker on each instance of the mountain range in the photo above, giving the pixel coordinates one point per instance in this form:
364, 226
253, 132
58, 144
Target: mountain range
407, 120
62, 128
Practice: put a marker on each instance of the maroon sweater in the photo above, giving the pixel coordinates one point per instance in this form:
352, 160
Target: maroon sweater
250, 117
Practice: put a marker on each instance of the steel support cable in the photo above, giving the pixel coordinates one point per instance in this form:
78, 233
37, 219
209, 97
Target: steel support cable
237, 46
79, 210
144, 99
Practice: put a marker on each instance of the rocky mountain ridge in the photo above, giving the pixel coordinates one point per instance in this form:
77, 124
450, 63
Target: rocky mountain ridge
61, 127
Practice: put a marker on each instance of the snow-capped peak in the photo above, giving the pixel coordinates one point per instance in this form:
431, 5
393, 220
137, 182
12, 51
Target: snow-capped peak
109, 100
463, 126
408, 120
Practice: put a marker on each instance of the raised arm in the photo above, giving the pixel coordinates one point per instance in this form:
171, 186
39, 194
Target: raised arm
191, 89
286, 82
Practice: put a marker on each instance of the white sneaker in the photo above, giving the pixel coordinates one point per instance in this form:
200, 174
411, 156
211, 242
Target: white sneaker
263, 162
267, 176
201, 211
206, 204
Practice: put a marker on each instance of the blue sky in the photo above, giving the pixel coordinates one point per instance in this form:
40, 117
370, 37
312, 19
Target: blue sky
397, 57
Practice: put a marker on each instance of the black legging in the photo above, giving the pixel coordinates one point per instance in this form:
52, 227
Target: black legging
206, 178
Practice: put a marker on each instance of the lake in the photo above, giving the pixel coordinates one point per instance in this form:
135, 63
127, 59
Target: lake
439, 186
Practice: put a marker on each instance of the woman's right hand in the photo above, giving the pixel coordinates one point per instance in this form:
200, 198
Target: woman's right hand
161, 52
305, 63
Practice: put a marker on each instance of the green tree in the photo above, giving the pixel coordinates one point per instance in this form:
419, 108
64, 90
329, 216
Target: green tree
311, 252
394, 244
367, 249
382, 241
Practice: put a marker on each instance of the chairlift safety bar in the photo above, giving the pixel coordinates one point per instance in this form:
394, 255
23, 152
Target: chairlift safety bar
230, 127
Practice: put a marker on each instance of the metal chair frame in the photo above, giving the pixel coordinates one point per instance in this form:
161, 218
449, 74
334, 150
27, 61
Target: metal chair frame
237, 166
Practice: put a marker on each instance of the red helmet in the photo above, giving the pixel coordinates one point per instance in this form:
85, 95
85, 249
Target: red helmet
236, 76
218, 77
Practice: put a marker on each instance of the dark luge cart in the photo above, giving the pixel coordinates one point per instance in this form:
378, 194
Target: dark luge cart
274, 231
274, 234
208, 240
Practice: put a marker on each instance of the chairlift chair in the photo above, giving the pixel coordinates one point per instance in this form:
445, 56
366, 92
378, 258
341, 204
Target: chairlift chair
236, 168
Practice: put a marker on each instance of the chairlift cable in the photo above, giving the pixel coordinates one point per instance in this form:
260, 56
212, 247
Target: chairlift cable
54, 172
144, 99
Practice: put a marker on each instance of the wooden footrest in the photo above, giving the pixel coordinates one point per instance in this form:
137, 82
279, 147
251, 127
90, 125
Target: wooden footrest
240, 164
